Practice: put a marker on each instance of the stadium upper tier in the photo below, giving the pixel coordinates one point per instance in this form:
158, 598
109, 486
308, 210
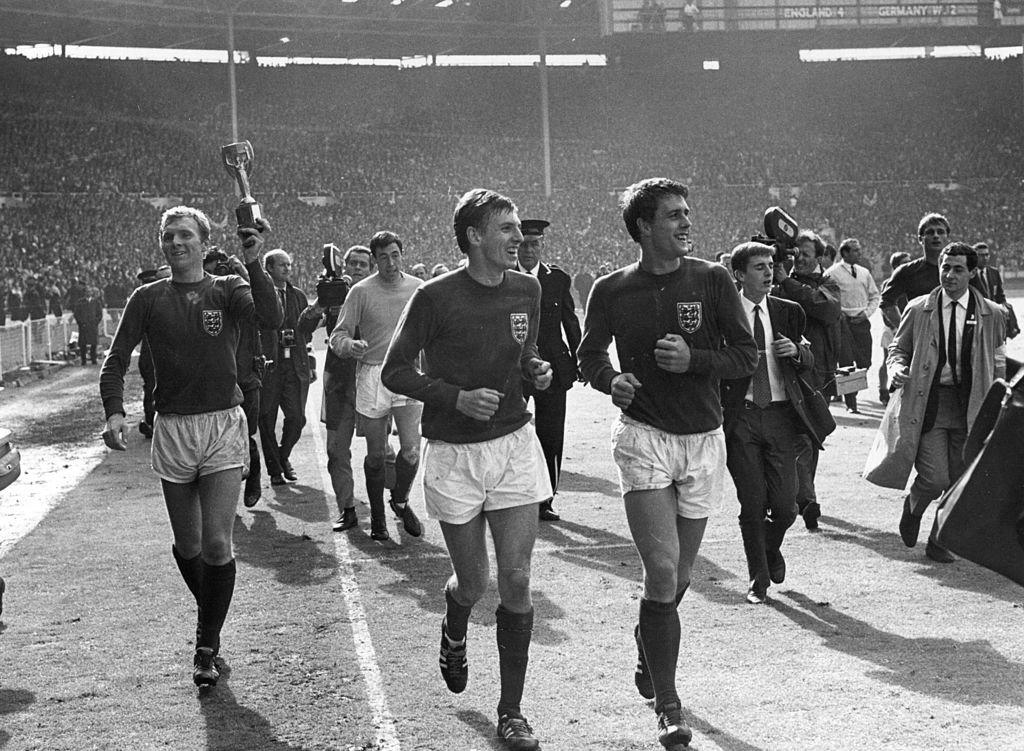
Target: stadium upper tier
851, 149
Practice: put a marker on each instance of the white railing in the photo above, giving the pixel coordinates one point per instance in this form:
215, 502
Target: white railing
45, 339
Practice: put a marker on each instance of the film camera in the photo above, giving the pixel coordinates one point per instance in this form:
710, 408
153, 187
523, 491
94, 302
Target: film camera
215, 255
286, 342
780, 231
332, 286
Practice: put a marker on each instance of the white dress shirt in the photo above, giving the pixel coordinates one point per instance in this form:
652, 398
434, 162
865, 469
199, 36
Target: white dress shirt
946, 375
774, 371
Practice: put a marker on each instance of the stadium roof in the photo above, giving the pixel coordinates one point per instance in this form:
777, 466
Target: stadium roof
389, 28
404, 28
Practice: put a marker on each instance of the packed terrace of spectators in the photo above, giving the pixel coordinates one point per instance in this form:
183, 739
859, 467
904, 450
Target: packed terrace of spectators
849, 149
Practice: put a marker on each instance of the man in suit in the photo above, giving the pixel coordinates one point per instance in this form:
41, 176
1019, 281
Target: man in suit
990, 283
557, 313
986, 278
88, 312
286, 384
948, 350
818, 295
763, 416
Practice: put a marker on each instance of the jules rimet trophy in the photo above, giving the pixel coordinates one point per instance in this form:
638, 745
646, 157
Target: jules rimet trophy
238, 162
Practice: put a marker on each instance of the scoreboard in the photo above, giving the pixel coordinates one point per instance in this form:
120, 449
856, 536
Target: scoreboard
754, 15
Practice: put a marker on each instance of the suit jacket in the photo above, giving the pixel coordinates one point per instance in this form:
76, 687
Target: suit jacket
818, 296
558, 313
993, 282
295, 303
789, 320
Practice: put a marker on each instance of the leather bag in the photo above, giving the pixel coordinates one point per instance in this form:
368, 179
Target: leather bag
820, 423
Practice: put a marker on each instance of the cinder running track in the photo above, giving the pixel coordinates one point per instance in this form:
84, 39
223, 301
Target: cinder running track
332, 638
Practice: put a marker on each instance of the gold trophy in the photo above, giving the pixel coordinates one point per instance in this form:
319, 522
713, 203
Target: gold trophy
238, 162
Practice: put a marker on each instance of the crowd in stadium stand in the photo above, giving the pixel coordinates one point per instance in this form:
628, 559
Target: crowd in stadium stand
841, 159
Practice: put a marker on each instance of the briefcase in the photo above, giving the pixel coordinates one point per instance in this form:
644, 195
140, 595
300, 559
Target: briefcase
10, 460
850, 380
981, 517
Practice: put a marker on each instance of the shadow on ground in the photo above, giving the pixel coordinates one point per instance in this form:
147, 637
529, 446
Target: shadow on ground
483, 725
722, 739
229, 725
295, 559
962, 574
971, 673
302, 502
13, 700
587, 484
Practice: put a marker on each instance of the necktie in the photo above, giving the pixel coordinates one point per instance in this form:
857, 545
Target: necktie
853, 271
951, 348
284, 301
760, 387
982, 278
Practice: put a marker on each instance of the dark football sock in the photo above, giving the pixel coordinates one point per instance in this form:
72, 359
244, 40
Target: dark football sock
456, 617
405, 473
659, 634
215, 598
375, 493
514, 633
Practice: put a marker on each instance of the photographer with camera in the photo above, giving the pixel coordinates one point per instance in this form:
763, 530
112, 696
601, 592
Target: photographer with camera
338, 409
286, 384
249, 362
799, 278
199, 449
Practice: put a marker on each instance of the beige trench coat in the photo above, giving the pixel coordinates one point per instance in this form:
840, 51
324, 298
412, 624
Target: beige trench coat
917, 344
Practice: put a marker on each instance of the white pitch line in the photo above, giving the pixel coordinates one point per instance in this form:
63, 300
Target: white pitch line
383, 720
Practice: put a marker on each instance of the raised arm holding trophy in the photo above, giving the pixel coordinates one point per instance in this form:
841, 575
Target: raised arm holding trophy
200, 444
238, 158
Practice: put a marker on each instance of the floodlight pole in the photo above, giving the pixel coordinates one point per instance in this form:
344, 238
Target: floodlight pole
232, 88
545, 126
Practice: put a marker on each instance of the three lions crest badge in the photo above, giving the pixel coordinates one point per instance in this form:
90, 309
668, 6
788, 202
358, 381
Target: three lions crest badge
689, 315
520, 326
213, 321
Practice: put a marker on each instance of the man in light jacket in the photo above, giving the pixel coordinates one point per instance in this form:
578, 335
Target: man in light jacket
947, 352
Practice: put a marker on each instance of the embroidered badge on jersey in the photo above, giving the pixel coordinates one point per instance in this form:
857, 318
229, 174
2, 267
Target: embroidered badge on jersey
213, 321
689, 315
520, 325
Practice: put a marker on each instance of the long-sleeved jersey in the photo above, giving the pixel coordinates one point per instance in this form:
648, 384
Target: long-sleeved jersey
472, 336
192, 330
635, 308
